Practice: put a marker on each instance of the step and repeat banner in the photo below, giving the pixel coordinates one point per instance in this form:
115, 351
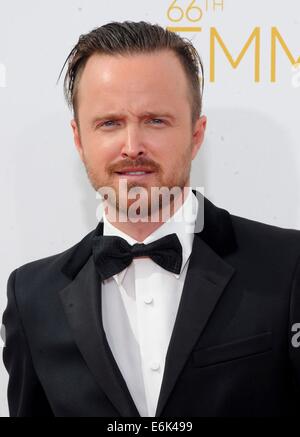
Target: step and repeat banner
248, 164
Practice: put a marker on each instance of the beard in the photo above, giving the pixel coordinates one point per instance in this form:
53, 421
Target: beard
159, 198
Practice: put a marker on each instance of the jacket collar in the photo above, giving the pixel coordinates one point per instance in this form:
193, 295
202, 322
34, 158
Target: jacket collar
217, 232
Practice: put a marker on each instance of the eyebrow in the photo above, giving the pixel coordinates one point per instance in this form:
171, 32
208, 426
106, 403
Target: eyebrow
115, 116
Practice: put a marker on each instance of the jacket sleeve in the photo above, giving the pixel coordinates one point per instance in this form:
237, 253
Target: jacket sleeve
294, 331
26, 397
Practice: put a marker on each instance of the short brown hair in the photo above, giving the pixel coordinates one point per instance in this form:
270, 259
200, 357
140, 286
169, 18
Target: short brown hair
131, 37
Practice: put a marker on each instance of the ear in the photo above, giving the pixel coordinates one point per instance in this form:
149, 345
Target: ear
198, 134
77, 140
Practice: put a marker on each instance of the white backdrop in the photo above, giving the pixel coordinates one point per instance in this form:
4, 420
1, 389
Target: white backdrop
249, 163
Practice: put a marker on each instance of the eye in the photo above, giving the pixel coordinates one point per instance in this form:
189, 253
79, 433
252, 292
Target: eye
108, 123
157, 121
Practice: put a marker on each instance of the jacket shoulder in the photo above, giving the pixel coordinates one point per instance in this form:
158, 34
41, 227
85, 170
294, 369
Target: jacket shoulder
228, 233
57, 262
267, 243
264, 230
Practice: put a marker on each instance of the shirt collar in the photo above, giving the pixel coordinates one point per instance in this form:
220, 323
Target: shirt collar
182, 223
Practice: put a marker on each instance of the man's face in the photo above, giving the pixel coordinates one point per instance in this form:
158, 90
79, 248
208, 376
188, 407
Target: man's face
134, 112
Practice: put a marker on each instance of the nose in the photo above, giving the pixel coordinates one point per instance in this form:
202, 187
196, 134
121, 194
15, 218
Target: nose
133, 142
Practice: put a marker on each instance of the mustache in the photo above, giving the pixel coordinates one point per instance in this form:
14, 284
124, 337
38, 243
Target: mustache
149, 165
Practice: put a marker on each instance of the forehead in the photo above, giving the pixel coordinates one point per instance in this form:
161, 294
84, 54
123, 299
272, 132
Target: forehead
146, 77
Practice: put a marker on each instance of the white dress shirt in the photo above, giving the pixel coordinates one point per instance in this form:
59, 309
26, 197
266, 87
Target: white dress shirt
139, 307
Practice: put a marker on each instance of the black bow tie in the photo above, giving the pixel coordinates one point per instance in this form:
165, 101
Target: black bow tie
113, 254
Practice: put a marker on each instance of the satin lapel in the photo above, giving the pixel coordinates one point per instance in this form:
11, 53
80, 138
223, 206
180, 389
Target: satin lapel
207, 276
82, 304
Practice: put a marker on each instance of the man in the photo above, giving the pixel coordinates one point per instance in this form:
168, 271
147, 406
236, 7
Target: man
143, 318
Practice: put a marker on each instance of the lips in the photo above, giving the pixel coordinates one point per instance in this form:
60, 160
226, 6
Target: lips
134, 175
130, 172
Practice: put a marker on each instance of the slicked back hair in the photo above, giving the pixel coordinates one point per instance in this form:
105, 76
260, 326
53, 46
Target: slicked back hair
128, 38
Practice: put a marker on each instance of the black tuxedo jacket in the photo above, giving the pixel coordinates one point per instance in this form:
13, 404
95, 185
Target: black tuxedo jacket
231, 352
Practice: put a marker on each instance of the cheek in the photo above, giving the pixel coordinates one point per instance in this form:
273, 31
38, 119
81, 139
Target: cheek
166, 144
176, 147
96, 152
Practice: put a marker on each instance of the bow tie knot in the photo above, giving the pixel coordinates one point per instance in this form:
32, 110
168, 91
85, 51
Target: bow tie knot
139, 249
112, 254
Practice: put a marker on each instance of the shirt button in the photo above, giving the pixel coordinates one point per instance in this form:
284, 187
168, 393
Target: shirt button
154, 365
148, 299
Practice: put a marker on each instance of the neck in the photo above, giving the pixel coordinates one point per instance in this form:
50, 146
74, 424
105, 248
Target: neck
140, 230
